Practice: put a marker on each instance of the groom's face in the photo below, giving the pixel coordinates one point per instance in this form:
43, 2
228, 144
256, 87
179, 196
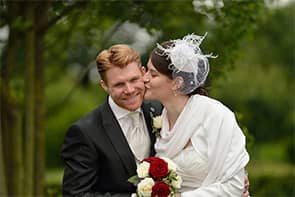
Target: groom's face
125, 85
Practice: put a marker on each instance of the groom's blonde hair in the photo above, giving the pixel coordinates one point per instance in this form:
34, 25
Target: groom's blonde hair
119, 55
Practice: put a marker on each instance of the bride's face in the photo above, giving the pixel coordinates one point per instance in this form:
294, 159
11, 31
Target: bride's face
158, 86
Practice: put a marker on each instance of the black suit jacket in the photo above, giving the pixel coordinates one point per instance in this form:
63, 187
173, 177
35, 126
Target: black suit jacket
97, 157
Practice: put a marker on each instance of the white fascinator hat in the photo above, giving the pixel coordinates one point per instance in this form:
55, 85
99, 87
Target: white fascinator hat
185, 59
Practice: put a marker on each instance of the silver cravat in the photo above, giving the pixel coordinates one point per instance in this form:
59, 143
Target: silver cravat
138, 138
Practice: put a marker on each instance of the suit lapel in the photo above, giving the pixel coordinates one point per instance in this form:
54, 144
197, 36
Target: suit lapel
148, 121
117, 138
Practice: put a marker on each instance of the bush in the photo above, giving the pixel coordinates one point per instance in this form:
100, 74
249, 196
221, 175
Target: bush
53, 190
63, 110
269, 185
290, 150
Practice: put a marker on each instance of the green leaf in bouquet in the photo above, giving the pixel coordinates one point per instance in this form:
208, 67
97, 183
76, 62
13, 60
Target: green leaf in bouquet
134, 180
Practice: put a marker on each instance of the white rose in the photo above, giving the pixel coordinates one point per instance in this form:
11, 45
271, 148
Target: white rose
171, 165
145, 186
143, 169
177, 183
157, 122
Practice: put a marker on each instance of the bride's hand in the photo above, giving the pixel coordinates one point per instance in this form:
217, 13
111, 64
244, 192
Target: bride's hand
178, 195
246, 187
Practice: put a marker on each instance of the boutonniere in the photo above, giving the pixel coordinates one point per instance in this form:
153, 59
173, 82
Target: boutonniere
156, 124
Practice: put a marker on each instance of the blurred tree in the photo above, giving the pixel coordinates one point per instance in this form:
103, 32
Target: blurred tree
230, 22
274, 51
278, 41
266, 74
3, 189
27, 22
227, 26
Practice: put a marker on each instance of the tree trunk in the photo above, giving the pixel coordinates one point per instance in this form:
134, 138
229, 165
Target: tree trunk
41, 20
13, 171
22, 146
3, 186
29, 100
10, 118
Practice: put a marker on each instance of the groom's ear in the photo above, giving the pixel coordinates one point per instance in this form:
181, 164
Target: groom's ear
143, 70
104, 85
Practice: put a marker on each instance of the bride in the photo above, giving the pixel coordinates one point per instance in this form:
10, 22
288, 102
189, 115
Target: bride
198, 133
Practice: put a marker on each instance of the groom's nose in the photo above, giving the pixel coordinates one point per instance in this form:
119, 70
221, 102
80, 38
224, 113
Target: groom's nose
129, 88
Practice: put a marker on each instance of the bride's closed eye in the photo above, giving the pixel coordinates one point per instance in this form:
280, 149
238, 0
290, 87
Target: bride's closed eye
153, 73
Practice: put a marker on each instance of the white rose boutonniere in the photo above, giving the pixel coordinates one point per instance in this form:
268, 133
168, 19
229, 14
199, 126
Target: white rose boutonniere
156, 124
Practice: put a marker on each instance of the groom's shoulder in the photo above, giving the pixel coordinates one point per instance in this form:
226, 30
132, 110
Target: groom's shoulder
92, 117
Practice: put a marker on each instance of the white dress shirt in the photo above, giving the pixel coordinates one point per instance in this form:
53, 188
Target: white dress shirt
125, 122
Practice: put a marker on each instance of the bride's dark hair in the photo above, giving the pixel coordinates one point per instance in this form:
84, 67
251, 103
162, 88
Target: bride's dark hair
161, 62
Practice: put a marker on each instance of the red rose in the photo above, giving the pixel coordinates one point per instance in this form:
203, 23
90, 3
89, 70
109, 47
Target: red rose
160, 189
158, 168
151, 159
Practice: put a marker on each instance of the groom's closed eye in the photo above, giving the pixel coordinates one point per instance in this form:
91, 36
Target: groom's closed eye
135, 79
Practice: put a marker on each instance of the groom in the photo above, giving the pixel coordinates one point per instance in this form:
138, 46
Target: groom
99, 151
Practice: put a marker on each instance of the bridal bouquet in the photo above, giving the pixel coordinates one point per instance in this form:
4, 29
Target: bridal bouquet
156, 177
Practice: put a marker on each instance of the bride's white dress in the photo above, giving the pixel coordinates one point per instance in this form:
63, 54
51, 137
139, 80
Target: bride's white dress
192, 168
213, 163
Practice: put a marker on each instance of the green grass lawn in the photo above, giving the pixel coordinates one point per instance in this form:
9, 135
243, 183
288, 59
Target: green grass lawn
53, 178
270, 178
262, 168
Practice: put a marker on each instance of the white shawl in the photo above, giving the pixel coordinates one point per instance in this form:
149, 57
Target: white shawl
226, 142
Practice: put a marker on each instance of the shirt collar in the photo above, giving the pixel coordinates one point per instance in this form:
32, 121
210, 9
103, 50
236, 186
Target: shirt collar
119, 111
